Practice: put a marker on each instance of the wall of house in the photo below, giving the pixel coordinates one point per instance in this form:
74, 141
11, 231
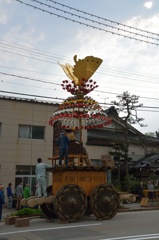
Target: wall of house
18, 151
95, 152
137, 151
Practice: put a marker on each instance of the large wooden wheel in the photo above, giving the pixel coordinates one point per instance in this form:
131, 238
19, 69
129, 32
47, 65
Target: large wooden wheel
70, 203
48, 209
104, 201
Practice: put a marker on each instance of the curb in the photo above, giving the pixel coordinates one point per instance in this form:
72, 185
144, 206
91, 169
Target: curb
138, 209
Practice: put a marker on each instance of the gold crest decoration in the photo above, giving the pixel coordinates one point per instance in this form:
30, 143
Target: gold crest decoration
83, 69
80, 75
80, 111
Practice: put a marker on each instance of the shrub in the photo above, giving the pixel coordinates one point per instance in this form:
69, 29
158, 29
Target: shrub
27, 211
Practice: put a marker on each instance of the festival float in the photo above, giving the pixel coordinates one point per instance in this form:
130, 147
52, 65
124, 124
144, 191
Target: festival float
82, 188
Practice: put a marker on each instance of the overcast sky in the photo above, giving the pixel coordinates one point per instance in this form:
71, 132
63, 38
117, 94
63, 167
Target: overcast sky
125, 35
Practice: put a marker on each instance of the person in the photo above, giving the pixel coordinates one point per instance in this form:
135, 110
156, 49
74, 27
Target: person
1, 200
63, 142
36, 189
10, 196
140, 189
36, 194
41, 177
19, 194
150, 187
70, 133
26, 191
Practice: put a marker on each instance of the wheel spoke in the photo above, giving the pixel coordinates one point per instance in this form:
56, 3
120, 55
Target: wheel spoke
70, 203
104, 201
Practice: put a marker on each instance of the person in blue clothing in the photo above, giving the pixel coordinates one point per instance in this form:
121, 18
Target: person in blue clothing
1, 200
10, 196
63, 142
140, 189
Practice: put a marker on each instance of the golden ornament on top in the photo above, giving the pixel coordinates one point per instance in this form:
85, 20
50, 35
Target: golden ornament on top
83, 69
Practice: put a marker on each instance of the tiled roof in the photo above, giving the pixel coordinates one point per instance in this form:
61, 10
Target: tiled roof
32, 100
148, 162
118, 135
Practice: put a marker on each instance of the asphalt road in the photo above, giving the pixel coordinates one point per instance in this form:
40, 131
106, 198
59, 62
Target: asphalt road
124, 226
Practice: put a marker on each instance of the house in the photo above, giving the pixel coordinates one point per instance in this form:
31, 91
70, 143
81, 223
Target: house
25, 135
147, 168
105, 138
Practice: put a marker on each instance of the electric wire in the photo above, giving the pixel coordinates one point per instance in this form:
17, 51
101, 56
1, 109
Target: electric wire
105, 19
148, 107
59, 84
114, 71
32, 51
91, 26
119, 73
93, 21
36, 95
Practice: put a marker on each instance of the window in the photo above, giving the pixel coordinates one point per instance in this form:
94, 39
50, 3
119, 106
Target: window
25, 170
31, 132
96, 162
26, 174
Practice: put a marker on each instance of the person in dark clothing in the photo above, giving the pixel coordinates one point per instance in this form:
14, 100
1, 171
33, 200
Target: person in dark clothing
140, 189
1, 200
10, 196
63, 142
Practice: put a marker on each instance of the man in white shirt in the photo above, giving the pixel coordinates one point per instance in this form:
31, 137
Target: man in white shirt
150, 187
41, 177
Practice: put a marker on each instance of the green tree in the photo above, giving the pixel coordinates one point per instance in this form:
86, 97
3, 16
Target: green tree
127, 106
157, 133
118, 155
153, 134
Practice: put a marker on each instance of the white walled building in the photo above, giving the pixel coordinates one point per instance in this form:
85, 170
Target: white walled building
25, 135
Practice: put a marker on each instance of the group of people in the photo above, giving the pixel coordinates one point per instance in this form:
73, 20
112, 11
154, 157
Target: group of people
21, 193
2, 198
150, 187
63, 142
25, 193
41, 167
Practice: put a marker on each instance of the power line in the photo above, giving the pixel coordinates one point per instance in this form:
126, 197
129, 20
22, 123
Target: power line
91, 26
119, 72
123, 73
28, 78
93, 21
44, 81
20, 69
109, 104
64, 99
27, 56
108, 74
30, 95
105, 19
58, 56
32, 51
